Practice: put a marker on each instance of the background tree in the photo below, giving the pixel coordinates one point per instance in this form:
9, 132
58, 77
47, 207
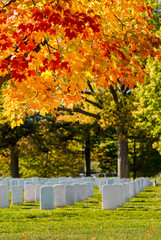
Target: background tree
54, 150
9, 139
5, 169
144, 159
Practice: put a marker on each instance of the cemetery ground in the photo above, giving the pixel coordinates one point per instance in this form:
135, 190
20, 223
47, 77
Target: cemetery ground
140, 218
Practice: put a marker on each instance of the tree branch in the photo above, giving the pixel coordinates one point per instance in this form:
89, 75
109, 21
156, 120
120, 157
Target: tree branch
114, 94
119, 21
79, 110
93, 103
89, 85
8, 3
4, 78
34, 3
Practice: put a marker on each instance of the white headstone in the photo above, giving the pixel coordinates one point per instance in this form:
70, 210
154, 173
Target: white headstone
132, 189
77, 188
3, 183
127, 191
137, 186
35, 180
37, 192
29, 192
158, 180
102, 183
116, 179
28, 182
46, 198
48, 183
13, 182
69, 195
109, 196
59, 195
110, 181
141, 184
90, 188
123, 193
120, 194
80, 197
4, 196
96, 182
17, 195
147, 182
21, 182
84, 187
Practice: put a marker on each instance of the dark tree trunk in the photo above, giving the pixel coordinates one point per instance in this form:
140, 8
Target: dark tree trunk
87, 156
123, 168
134, 159
14, 161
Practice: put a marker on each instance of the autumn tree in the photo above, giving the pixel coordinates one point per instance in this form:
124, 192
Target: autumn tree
52, 51
9, 138
149, 94
79, 129
144, 159
53, 150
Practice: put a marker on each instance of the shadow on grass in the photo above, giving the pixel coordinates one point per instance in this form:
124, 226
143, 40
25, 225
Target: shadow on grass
32, 216
132, 209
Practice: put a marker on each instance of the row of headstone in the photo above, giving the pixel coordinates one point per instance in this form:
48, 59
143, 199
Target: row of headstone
67, 190
62, 195
117, 194
154, 182
44, 181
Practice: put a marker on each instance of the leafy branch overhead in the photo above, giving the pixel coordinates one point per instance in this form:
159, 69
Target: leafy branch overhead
53, 51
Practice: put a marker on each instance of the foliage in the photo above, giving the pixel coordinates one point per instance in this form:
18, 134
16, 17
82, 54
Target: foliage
106, 155
52, 150
59, 46
5, 162
144, 160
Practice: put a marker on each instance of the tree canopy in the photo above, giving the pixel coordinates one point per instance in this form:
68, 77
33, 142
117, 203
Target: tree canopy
50, 50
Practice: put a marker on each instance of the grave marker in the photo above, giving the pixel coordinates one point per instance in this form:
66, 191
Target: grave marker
4, 196
46, 198
17, 195
29, 192
59, 195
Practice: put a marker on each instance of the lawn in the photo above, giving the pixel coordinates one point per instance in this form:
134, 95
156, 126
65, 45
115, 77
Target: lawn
140, 218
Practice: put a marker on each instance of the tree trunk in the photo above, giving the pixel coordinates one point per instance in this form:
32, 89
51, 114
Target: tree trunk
123, 168
87, 156
134, 159
14, 161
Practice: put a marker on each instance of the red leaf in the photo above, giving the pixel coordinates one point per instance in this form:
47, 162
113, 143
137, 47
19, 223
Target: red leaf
55, 18
31, 73
64, 65
57, 55
4, 65
38, 15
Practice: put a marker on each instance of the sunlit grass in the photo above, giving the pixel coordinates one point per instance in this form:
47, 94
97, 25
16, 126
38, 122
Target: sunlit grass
140, 218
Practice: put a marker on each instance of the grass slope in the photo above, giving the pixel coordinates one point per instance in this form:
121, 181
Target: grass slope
140, 218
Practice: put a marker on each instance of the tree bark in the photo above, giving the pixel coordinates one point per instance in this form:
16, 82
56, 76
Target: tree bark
88, 156
14, 161
123, 168
134, 159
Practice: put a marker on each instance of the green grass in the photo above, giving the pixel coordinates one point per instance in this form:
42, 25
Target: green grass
140, 218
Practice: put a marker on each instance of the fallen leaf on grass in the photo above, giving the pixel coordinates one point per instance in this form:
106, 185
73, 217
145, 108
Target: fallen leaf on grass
152, 228
149, 234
